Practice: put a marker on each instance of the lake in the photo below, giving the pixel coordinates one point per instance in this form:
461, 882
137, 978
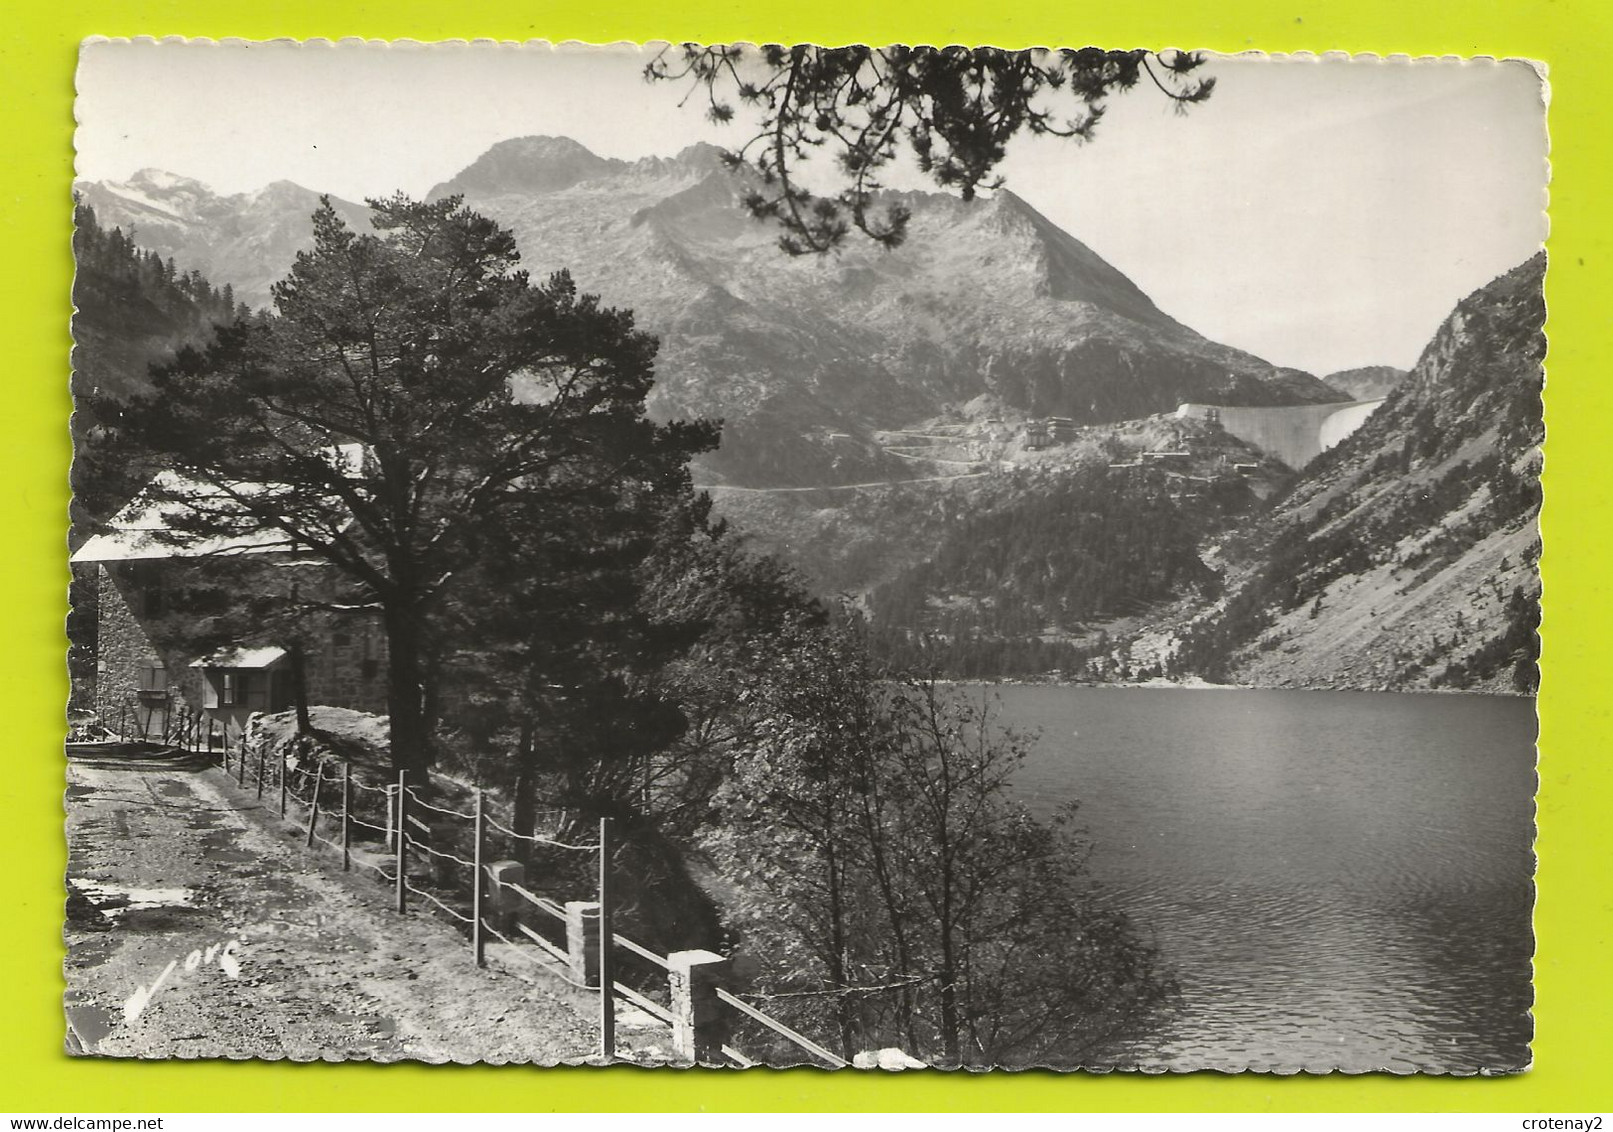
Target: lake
1339, 879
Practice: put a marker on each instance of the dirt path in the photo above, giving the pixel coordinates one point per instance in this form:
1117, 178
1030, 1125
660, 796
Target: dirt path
199, 926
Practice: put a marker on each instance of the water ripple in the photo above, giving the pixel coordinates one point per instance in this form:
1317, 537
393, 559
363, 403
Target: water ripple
1341, 880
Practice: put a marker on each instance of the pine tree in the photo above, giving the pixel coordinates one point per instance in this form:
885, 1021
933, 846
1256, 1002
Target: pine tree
374, 422
953, 110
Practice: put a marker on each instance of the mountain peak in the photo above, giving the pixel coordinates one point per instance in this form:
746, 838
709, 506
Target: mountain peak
161, 180
537, 164
1071, 271
549, 147
699, 160
282, 191
701, 154
1009, 201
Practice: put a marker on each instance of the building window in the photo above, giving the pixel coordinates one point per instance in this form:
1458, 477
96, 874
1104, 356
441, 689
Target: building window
153, 678
232, 688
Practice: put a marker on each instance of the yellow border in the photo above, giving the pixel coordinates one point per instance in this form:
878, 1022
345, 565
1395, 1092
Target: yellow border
1573, 1046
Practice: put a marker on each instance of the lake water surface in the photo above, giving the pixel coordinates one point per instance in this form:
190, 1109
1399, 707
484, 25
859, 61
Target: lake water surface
1340, 880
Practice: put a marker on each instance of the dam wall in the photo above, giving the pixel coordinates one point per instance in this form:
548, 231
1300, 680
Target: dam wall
1295, 434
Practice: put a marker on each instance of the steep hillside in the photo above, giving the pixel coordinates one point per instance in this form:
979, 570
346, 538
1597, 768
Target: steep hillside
1028, 570
988, 303
1406, 556
132, 307
247, 240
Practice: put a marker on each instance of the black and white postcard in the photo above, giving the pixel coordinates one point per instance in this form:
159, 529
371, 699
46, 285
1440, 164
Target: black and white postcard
878, 558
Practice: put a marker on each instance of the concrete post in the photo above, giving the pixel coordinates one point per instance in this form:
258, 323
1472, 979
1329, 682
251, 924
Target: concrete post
502, 901
478, 885
699, 1021
313, 807
582, 940
347, 817
402, 842
607, 946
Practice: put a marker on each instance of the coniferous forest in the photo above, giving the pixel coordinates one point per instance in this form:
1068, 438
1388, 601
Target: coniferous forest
1016, 585
134, 307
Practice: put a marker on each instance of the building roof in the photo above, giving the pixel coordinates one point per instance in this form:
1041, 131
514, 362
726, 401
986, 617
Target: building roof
240, 658
143, 529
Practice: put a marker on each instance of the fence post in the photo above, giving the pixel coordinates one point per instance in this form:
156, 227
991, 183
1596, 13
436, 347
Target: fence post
501, 874
226, 762
262, 750
478, 941
347, 811
391, 816
699, 1023
282, 782
240, 763
402, 834
607, 947
582, 940
313, 807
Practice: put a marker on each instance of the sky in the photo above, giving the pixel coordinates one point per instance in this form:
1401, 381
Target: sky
1322, 213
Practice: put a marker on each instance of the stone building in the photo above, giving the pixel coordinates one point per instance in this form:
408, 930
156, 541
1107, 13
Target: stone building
142, 684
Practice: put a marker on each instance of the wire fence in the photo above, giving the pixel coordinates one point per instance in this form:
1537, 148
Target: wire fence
416, 838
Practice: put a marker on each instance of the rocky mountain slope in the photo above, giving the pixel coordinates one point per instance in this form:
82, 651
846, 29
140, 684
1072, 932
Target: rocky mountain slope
1406, 556
1366, 383
803, 357
1033, 565
246, 240
988, 305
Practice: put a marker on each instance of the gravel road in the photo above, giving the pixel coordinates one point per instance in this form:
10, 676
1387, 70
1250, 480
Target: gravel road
199, 926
